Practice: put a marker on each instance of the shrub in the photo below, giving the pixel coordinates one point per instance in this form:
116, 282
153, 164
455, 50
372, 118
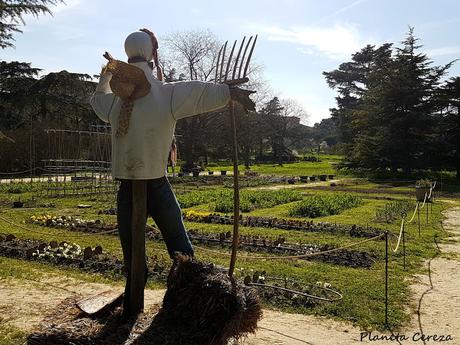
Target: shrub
250, 200
423, 183
324, 205
203, 197
311, 159
393, 210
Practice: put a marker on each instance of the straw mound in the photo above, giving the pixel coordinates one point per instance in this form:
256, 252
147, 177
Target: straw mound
201, 306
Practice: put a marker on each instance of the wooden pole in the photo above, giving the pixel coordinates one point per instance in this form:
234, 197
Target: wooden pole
139, 216
427, 206
418, 214
236, 192
404, 245
386, 278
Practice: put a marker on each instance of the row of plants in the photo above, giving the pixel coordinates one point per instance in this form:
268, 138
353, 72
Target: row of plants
71, 255
221, 200
322, 205
393, 210
257, 244
20, 187
352, 230
250, 200
254, 243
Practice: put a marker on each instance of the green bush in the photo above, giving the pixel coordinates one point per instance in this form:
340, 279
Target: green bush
393, 210
203, 197
423, 183
311, 159
324, 205
19, 187
222, 199
250, 200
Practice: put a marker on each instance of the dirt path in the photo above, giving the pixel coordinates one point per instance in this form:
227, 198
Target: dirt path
438, 293
23, 304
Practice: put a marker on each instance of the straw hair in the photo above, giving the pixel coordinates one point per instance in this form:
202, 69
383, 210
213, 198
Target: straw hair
129, 83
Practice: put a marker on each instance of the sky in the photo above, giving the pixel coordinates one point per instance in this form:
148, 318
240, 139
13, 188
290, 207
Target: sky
298, 39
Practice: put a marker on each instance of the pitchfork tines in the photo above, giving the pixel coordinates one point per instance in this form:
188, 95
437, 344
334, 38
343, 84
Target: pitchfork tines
238, 66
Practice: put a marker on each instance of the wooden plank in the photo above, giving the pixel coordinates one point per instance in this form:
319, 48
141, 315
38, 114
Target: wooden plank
93, 304
135, 303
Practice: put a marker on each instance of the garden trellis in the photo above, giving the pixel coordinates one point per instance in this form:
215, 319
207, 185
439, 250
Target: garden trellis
78, 161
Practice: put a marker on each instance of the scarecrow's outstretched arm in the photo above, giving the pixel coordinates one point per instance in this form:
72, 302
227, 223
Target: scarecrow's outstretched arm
191, 98
103, 99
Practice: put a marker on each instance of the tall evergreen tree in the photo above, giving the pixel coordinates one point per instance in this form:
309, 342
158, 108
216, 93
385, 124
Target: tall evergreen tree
390, 122
450, 128
12, 15
351, 82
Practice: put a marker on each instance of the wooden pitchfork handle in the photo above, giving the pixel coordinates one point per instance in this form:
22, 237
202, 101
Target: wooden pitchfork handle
108, 56
236, 191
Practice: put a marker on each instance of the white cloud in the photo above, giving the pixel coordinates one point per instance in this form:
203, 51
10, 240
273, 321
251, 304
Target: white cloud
337, 42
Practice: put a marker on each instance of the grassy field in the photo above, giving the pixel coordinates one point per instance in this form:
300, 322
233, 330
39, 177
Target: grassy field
325, 166
362, 288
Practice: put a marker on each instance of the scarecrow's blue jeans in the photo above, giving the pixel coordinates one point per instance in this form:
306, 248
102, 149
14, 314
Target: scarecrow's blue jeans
163, 207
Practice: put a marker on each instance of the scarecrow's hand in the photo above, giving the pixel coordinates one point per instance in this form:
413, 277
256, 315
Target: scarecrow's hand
242, 97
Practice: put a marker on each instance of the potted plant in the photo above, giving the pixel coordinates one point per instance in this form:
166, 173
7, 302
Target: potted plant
422, 187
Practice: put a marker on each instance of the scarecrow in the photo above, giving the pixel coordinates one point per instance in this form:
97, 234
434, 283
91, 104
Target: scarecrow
143, 110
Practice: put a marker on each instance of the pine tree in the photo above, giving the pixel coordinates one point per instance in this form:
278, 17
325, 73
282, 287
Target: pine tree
400, 107
11, 16
450, 129
388, 117
351, 81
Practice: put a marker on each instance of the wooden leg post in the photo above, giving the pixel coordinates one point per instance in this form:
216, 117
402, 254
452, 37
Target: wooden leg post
139, 217
236, 196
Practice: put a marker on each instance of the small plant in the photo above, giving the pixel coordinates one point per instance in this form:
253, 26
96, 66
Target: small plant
65, 250
311, 159
324, 205
423, 183
393, 210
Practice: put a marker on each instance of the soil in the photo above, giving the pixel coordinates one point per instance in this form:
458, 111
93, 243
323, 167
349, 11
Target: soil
23, 304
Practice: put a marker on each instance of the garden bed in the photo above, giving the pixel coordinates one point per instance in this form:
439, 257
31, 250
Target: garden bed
284, 224
352, 258
87, 259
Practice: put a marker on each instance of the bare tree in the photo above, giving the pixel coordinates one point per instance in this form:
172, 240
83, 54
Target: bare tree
193, 53
293, 108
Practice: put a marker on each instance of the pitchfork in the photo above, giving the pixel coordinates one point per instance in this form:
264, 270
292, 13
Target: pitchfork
239, 70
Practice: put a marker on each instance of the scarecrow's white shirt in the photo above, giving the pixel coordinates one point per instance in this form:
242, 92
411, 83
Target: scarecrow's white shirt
143, 152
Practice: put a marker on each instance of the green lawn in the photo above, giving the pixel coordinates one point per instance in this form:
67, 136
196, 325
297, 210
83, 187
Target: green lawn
326, 166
